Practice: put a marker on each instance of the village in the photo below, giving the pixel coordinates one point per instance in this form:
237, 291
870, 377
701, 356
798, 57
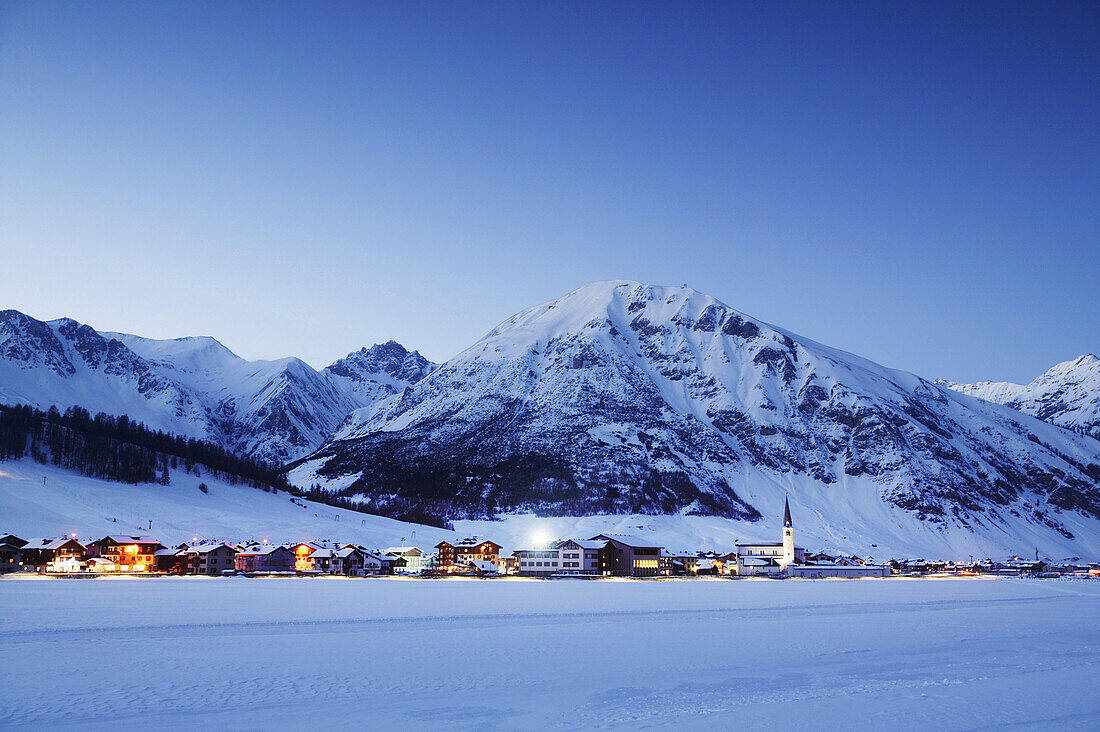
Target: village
603, 555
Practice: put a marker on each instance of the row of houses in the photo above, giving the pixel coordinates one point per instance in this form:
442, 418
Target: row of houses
126, 554
603, 555
622, 555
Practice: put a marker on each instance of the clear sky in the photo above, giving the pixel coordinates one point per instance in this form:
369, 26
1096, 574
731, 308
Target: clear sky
914, 182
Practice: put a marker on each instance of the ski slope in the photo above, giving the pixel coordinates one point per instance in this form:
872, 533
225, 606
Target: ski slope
69, 503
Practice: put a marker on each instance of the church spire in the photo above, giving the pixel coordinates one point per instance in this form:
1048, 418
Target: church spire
787, 513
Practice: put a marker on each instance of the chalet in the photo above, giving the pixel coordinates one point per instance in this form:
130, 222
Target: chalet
628, 556
348, 561
127, 553
823, 558
98, 564
677, 565
456, 557
171, 561
374, 563
682, 563
54, 555
321, 561
265, 558
303, 556
407, 559
11, 554
210, 558
727, 563
482, 568
707, 568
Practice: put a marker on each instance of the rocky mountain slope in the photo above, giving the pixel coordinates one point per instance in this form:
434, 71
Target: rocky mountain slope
273, 410
1067, 395
624, 398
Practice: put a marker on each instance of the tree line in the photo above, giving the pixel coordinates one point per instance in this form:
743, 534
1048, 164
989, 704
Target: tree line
121, 449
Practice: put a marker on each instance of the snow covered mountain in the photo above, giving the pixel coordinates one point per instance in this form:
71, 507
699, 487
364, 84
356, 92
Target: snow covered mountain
274, 410
1067, 395
624, 398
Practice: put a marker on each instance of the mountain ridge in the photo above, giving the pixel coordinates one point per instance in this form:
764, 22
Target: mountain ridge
195, 386
1067, 394
628, 398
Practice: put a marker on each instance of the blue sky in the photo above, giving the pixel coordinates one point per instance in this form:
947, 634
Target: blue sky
914, 183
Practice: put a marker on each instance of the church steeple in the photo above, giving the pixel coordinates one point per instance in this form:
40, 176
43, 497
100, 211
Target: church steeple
788, 536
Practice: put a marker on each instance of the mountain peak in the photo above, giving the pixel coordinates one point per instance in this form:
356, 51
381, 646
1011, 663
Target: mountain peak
1067, 394
622, 397
200, 351
379, 371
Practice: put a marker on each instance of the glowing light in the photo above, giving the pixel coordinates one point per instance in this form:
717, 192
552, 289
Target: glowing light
539, 539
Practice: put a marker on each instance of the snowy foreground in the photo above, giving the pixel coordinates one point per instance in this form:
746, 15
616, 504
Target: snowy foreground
237, 653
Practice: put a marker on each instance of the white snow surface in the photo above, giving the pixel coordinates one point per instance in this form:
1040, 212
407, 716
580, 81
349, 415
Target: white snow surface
70, 503
311, 653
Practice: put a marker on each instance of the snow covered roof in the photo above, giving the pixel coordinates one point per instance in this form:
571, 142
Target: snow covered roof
474, 542
322, 554
404, 551
628, 540
124, 539
758, 561
765, 545
258, 551
208, 546
482, 565
842, 567
345, 552
50, 543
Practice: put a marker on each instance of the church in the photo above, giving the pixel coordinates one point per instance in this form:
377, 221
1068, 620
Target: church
771, 559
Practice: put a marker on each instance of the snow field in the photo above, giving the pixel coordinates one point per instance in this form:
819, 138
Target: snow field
236, 653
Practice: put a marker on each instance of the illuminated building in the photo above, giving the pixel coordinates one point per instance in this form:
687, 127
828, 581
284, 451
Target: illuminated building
628, 556
456, 558
127, 553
